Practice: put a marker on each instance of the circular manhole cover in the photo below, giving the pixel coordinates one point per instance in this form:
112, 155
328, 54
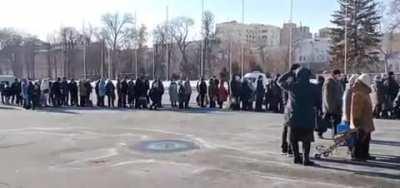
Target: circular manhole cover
166, 146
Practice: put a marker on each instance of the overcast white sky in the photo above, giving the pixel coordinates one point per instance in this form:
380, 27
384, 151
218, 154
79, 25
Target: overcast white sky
41, 17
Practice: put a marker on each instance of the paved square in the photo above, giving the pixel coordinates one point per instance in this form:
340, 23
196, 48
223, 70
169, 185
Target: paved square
60, 148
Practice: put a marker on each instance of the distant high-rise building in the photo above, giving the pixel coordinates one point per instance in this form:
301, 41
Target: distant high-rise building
324, 32
299, 33
250, 34
313, 53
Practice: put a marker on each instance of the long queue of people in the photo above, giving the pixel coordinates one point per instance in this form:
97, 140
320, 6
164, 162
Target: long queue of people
138, 94
244, 94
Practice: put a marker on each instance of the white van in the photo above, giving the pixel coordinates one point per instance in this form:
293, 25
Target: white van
253, 77
7, 78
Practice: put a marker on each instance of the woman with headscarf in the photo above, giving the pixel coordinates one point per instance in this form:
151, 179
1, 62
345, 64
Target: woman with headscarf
361, 118
173, 93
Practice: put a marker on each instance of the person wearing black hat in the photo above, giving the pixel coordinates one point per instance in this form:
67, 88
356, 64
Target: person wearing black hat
285, 79
332, 100
391, 90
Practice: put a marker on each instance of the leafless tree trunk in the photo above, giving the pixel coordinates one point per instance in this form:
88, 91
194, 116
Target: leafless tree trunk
180, 29
118, 32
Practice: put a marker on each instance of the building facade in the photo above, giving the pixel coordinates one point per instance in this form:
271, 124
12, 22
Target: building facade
250, 34
298, 33
313, 53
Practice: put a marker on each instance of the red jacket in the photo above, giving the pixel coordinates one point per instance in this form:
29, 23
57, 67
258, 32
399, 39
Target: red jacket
222, 94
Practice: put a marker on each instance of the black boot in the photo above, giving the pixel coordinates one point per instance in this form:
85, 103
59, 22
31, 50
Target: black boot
306, 150
297, 156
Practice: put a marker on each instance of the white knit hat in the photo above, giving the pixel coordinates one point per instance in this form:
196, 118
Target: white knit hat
353, 79
365, 78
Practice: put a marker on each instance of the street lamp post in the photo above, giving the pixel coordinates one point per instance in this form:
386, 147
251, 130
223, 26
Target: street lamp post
137, 49
202, 43
291, 34
84, 60
241, 44
167, 40
154, 62
346, 19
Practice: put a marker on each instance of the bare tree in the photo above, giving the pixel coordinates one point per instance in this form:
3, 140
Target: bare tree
141, 44
391, 26
159, 40
180, 28
117, 31
208, 32
90, 33
69, 38
10, 37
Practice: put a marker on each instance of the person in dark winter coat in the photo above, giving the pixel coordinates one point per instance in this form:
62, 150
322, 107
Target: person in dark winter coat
89, 89
260, 93
332, 100
16, 92
181, 95
161, 91
275, 96
31, 88
97, 90
64, 92
300, 116
212, 92
378, 96
2, 86
285, 79
236, 88
36, 95
6, 93
318, 113
147, 89
119, 93
246, 96
202, 89
188, 92
123, 93
73, 92
155, 95
83, 93
131, 94
110, 93
141, 93
56, 91
391, 90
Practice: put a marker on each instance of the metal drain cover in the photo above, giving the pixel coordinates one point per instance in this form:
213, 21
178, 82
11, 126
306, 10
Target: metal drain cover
166, 146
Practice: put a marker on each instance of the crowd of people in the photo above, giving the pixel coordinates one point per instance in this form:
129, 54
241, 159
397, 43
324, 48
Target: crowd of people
353, 101
308, 105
